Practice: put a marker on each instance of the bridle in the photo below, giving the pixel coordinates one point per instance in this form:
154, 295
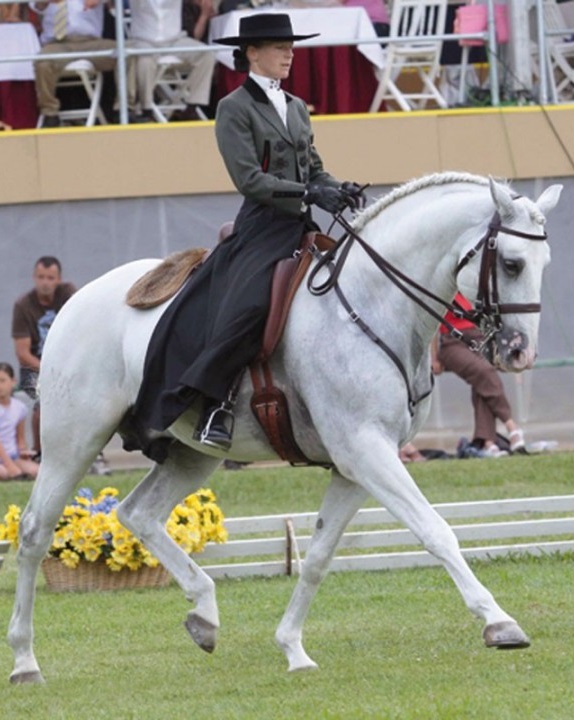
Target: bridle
487, 312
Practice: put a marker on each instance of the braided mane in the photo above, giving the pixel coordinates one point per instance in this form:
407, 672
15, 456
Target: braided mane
412, 186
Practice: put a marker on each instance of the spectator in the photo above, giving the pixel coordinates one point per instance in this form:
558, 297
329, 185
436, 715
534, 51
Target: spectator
67, 26
15, 457
159, 24
32, 317
377, 12
489, 400
10, 13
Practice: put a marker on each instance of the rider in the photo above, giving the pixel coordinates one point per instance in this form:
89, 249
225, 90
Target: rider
265, 137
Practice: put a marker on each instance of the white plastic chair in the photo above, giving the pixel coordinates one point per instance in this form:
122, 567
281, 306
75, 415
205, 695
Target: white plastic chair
559, 54
168, 89
413, 19
82, 73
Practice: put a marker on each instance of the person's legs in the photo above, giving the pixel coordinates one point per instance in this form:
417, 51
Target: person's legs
197, 90
47, 73
488, 397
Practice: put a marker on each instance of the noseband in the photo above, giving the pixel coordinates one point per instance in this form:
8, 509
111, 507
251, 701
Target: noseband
487, 312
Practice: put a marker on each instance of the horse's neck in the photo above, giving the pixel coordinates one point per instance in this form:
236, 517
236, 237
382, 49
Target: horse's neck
423, 241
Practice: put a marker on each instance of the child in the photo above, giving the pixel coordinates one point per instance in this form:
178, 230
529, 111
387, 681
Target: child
15, 459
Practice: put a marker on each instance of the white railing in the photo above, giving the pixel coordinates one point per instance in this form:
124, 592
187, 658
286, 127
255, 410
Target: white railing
122, 52
4, 547
275, 544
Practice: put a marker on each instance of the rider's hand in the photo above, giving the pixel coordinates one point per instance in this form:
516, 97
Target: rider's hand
355, 194
331, 199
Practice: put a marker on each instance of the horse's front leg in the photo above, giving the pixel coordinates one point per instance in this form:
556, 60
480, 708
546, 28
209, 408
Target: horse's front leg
342, 500
146, 510
376, 466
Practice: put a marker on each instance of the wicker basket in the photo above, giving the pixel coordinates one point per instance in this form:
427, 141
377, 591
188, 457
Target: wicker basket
97, 576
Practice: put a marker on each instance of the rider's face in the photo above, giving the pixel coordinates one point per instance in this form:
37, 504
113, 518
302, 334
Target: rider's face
271, 59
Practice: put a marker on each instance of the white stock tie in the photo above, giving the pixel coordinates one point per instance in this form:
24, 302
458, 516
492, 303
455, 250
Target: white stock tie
277, 97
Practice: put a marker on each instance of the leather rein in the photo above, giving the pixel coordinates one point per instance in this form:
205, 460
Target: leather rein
487, 312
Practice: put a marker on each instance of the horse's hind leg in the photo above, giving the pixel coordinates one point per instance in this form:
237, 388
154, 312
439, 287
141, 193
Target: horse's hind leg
69, 445
49, 496
146, 510
342, 500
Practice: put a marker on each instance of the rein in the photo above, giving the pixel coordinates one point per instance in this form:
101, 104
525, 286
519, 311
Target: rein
487, 312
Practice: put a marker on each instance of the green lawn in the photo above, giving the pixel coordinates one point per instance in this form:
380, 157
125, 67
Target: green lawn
390, 645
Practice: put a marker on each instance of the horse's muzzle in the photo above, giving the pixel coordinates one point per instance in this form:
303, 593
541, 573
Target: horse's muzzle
513, 351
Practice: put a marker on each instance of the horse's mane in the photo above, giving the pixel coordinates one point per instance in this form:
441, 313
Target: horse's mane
412, 186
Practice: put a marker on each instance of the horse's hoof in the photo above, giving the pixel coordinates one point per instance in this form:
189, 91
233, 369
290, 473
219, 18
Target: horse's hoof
202, 632
505, 636
33, 677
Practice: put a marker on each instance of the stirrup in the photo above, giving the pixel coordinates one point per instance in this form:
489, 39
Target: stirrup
214, 432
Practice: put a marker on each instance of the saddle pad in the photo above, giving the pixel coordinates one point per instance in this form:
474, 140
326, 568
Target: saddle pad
160, 284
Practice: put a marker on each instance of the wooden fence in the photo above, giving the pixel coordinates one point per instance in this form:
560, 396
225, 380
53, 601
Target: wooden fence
275, 544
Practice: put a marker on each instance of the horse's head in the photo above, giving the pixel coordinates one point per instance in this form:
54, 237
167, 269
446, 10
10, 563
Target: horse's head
503, 275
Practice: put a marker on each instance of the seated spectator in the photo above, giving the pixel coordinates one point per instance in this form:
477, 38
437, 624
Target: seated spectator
15, 457
67, 26
377, 12
10, 13
489, 400
159, 24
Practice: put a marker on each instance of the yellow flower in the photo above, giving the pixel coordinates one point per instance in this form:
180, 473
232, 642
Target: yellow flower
84, 532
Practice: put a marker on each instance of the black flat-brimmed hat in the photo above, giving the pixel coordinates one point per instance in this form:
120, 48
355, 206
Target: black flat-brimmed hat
263, 26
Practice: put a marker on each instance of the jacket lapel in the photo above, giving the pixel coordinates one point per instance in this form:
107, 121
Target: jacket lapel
265, 108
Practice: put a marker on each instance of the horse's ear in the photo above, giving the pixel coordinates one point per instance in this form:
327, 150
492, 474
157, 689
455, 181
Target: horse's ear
502, 198
549, 199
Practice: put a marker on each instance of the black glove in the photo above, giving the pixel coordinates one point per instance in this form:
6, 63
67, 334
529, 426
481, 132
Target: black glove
328, 198
356, 195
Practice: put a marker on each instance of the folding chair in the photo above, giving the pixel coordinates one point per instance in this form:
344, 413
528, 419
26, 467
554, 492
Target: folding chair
559, 54
419, 56
168, 89
82, 73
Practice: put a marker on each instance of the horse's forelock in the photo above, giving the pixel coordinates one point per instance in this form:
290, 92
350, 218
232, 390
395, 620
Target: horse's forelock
412, 186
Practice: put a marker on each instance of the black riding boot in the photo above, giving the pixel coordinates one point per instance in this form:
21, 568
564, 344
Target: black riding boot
216, 425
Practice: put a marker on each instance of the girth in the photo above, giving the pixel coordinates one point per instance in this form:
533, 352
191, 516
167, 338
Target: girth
268, 402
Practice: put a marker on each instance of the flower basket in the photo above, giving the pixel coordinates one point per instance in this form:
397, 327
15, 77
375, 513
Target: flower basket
97, 576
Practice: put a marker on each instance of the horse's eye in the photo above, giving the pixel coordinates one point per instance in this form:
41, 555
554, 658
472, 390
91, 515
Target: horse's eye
513, 268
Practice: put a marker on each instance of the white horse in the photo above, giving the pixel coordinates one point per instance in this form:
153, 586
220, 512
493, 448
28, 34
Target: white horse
347, 397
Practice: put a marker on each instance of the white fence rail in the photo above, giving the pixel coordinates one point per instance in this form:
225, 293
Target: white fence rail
4, 547
273, 544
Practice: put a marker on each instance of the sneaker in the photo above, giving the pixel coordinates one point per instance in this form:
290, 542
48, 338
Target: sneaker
493, 452
99, 466
516, 439
465, 450
51, 121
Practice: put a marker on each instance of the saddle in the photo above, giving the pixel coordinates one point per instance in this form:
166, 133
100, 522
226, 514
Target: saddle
268, 402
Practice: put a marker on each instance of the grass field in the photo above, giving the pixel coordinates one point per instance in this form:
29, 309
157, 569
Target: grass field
391, 645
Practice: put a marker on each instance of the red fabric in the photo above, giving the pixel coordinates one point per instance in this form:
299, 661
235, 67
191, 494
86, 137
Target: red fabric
332, 80
18, 104
456, 322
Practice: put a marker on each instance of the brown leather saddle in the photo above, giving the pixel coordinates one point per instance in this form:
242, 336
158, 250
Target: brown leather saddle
268, 402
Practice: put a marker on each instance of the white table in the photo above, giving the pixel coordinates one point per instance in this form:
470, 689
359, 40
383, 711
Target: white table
330, 72
17, 89
17, 39
336, 25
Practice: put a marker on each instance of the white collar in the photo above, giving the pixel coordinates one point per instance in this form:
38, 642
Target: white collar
265, 83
